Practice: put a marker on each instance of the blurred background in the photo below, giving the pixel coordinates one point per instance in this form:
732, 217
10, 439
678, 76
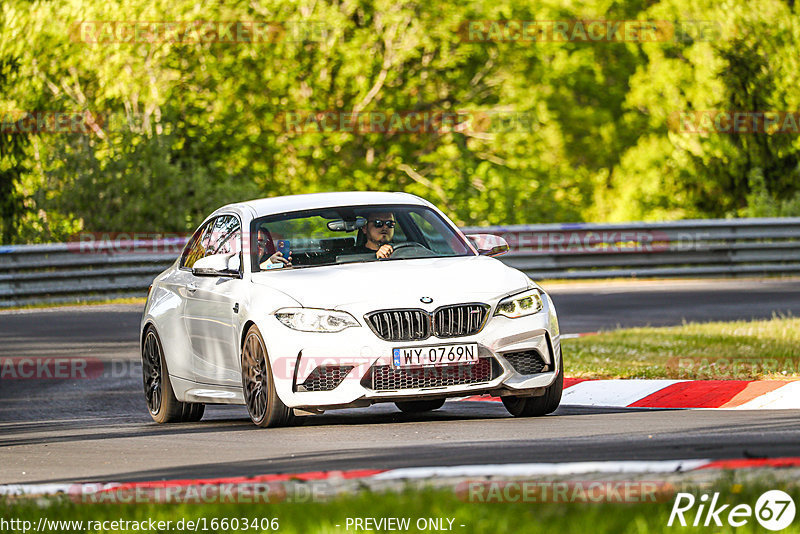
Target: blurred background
592, 130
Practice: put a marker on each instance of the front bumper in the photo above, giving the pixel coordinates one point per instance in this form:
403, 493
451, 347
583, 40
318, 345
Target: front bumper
352, 357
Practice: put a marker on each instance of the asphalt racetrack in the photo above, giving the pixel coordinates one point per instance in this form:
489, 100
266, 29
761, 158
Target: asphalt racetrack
99, 430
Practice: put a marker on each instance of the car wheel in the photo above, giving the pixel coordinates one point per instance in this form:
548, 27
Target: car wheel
538, 406
158, 393
420, 405
263, 404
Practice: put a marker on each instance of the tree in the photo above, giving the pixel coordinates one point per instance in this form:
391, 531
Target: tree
12, 156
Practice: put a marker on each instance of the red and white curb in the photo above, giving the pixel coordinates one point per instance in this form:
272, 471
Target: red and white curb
688, 394
720, 394
726, 394
582, 468
417, 473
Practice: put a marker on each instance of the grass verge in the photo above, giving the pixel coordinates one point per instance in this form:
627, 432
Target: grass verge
455, 511
740, 350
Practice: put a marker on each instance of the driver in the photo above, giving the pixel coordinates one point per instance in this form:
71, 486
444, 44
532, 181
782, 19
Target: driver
379, 232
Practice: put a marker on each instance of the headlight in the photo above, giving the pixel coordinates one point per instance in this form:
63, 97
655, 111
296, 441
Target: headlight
314, 320
520, 305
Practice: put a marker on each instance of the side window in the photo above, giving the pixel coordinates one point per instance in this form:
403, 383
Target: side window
194, 249
220, 235
225, 236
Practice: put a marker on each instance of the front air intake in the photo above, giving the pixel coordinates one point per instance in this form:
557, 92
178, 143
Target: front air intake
388, 378
415, 325
325, 378
400, 325
459, 320
528, 362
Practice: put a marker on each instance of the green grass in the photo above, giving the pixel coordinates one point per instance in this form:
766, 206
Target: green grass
746, 350
494, 518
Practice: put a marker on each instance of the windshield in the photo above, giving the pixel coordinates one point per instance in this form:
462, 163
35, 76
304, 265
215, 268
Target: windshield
331, 236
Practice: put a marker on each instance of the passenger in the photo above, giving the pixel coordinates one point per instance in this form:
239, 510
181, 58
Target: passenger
268, 258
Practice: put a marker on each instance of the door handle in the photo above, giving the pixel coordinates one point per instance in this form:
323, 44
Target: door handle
192, 287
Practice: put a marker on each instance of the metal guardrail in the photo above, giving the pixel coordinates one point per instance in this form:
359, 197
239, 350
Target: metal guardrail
692, 248
66, 272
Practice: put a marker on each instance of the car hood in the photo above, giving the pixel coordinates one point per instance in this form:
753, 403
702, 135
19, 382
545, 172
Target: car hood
399, 283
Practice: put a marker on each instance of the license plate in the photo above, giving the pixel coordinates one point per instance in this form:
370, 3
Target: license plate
438, 356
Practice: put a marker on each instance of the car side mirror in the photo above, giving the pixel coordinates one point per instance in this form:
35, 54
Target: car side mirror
217, 265
489, 244
235, 263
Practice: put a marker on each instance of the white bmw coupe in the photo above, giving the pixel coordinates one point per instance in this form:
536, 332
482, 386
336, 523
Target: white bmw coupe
300, 304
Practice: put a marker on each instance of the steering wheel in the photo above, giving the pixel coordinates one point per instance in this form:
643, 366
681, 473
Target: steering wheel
406, 245
409, 245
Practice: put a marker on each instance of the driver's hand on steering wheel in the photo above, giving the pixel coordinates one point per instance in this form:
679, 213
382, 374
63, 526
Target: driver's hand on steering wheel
384, 252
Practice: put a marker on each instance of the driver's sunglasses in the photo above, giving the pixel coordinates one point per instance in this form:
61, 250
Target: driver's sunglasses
379, 223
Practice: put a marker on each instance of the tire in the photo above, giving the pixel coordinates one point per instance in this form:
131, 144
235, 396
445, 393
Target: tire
538, 406
158, 393
419, 406
258, 385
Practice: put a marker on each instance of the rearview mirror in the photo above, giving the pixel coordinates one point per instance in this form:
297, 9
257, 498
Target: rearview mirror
217, 265
489, 244
341, 225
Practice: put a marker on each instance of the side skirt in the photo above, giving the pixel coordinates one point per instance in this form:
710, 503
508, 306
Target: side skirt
189, 391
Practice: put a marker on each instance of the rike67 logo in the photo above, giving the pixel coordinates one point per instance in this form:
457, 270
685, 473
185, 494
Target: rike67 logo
774, 510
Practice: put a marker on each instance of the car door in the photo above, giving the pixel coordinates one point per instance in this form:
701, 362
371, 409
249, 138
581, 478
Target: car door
211, 309
178, 283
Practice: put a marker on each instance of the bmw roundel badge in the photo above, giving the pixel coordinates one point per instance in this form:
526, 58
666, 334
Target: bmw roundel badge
426, 300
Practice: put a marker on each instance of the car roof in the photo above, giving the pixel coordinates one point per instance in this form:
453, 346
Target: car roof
272, 205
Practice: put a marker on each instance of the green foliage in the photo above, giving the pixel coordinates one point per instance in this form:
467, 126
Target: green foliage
762, 203
196, 125
12, 154
748, 63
